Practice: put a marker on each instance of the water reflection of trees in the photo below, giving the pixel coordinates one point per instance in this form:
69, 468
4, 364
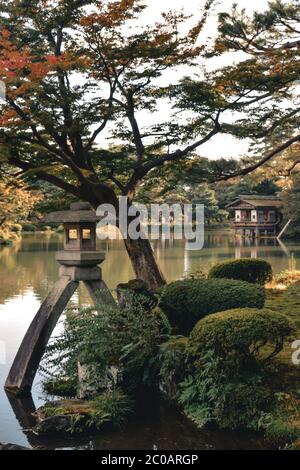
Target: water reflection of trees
21, 270
30, 264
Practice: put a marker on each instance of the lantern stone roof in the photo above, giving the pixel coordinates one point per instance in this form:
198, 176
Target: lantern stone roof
79, 212
255, 201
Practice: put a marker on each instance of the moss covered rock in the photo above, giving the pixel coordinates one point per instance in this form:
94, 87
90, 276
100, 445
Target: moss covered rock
61, 387
79, 416
136, 291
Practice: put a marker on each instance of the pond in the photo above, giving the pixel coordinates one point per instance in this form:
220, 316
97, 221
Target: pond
27, 272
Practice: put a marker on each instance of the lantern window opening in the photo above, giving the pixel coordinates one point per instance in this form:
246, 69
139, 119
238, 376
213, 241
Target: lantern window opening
73, 234
86, 234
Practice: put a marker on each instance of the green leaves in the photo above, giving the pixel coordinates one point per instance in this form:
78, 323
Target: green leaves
88, 89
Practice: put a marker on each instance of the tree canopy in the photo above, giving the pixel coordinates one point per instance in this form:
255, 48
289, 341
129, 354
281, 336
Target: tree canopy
80, 73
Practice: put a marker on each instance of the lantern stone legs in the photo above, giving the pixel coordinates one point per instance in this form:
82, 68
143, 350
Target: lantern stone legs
28, 358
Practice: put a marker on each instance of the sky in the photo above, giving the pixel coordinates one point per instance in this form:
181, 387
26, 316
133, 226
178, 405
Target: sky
224, 145
220, 146
191, 4
155, 7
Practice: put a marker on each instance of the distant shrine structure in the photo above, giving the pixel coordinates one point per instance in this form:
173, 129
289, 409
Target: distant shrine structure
257, 216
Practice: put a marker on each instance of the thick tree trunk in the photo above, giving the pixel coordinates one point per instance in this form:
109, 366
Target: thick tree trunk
139, 251
144, 263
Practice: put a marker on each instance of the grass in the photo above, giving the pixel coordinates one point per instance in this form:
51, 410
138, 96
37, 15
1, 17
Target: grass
287, 302
284, 427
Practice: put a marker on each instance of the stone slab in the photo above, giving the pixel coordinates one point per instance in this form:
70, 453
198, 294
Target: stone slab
81, 273
80, 258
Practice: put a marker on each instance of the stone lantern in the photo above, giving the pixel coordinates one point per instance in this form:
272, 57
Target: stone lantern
79, 261
79, 236
79, 227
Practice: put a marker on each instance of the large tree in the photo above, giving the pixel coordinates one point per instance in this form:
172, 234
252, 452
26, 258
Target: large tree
76, 70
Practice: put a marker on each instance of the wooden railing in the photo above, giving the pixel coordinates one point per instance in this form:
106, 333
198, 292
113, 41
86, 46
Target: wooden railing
254, 224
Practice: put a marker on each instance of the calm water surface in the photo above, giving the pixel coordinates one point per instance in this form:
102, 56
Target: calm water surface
27, 272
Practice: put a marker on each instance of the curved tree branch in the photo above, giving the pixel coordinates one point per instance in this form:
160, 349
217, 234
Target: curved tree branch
70, 188
268, 157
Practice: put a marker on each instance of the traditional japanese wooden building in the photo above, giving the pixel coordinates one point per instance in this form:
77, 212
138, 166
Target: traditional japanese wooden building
257, 216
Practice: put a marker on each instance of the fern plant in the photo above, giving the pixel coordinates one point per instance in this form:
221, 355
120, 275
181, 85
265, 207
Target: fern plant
128, 337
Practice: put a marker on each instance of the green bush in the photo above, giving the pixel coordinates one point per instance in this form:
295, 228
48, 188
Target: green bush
241, 333
186, 302
256, 271
126, 337
227, 353
28, 228
211, 396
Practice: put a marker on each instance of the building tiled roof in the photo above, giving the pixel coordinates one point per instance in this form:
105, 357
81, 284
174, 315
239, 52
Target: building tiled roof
257, 201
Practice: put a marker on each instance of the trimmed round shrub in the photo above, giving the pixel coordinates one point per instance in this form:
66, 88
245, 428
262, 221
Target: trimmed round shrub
227, 351
241, 333
256, 271
186, 302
